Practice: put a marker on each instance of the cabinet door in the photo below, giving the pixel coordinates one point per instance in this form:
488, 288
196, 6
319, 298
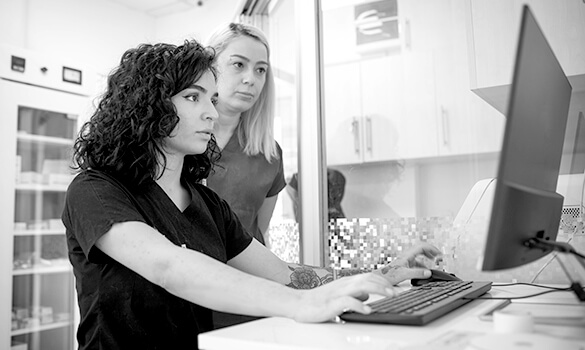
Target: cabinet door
422, 21
466, 124
494, 26
418, 125
437, 82
384, 134
343, 114
37, 134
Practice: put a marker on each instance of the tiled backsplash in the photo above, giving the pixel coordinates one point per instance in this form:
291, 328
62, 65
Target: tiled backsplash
371, 243
284, 241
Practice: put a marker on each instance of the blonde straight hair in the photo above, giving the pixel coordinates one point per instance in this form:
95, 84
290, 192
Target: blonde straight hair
255, 131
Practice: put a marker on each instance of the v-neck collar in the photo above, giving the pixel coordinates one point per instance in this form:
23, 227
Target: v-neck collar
170, 202
230, 145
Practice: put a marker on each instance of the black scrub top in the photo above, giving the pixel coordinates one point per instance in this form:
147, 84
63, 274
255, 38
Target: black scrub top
120, 309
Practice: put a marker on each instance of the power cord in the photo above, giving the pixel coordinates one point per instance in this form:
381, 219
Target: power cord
552, 258
550, 290
561, 247
527, 284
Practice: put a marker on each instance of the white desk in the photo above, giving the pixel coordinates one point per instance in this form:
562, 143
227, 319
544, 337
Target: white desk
453, 331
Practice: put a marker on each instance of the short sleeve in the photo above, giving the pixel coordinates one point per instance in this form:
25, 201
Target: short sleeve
94, 202
279, 182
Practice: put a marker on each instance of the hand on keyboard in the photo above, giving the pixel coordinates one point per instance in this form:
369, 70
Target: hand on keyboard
409, 264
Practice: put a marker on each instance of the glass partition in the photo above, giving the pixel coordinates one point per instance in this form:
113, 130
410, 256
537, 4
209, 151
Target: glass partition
406, 137
413, 136
284, 235
411, 129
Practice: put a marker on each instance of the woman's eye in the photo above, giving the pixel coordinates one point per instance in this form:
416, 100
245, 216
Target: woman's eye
193, 97
214, 101
262, 70
238, 64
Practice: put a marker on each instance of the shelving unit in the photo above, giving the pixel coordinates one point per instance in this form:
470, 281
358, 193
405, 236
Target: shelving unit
42, 287
40, 113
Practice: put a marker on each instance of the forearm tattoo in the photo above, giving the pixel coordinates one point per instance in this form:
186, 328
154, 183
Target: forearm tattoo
307, 277
304, 277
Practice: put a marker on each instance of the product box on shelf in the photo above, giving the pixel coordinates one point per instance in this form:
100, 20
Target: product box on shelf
18, 346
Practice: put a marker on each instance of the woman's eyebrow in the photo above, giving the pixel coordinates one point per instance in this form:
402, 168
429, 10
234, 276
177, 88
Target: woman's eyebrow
197, 87
247, 59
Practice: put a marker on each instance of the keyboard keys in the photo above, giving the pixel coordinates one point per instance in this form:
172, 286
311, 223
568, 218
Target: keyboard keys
420, 305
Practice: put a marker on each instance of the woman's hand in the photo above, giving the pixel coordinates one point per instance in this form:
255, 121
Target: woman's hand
413, 263
326, 302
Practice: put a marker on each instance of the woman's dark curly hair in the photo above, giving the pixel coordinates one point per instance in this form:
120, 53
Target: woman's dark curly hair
124, 136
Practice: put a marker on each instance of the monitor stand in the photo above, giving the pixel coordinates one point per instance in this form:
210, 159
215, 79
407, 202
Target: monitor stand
567, 250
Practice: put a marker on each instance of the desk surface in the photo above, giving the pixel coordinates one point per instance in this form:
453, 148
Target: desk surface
455, 330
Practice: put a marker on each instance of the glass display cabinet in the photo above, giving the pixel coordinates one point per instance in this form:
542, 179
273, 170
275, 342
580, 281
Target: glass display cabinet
42, 310
39, 121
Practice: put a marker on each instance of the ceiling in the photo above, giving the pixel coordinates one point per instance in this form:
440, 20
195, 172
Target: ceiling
161, 8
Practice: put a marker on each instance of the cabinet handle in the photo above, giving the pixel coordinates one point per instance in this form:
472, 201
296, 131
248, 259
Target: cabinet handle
355, 129
369, 134
445, 123
407, 37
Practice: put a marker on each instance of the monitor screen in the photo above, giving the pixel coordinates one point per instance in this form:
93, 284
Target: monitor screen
525, 203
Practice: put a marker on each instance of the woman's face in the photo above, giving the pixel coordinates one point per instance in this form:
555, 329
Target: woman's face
242, 67
196, 110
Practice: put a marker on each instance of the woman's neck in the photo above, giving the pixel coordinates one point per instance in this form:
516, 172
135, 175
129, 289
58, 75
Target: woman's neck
225, 127
170, 182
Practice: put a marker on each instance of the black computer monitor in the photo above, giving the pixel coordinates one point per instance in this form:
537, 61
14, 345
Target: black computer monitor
526, 209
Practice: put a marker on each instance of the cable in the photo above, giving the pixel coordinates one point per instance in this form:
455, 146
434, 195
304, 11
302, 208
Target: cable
568, 289
578, 254
548, 262
527, 284
581, 209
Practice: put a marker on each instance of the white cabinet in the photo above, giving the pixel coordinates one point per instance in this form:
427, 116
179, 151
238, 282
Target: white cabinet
378, 102
409, 100
436, 30
367, 119
494, 27
38, 306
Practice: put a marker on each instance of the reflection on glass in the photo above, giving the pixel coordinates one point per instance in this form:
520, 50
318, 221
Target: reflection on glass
42, 290
284, 232
403, 126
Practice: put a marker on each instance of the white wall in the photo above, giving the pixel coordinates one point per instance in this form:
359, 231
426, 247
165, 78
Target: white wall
197, 23
91, 32
96, 33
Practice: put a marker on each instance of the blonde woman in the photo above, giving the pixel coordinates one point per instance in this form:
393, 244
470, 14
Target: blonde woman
249, 174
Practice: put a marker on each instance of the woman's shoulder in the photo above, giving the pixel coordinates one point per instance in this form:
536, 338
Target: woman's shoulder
97, 180
91, 175
87, 176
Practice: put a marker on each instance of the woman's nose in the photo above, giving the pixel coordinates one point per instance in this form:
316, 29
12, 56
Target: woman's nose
212, 114
248, 78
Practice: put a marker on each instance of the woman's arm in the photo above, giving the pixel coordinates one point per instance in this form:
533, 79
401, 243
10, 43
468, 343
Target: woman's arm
259, 261
264, 216
205, 281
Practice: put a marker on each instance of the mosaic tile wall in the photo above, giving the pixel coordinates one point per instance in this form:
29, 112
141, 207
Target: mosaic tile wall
371, 243
284, 241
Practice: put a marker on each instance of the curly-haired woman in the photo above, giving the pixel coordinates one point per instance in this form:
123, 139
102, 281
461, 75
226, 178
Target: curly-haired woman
152, 249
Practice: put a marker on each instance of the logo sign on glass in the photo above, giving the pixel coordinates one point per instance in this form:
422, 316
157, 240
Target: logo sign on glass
376, 23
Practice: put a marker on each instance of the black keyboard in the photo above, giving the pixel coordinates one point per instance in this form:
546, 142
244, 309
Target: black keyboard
420, 305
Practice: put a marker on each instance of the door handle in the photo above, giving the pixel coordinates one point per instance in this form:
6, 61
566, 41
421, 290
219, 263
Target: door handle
355, 129
369, 134
445, 123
